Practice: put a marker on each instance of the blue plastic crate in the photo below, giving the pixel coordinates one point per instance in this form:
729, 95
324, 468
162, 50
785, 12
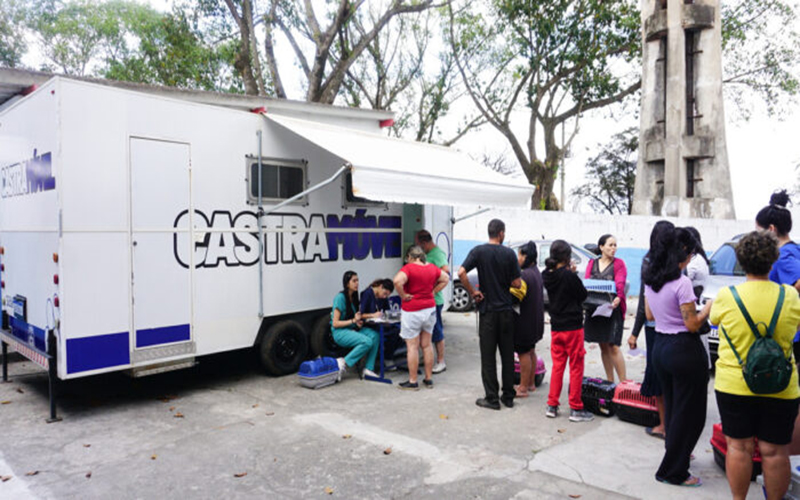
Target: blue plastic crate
600, 286
320, 372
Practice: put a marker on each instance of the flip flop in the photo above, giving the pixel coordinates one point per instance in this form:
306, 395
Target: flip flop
691, 482
659, 435
521, 395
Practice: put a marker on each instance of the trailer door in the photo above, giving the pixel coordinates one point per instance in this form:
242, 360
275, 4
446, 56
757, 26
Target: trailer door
160, 191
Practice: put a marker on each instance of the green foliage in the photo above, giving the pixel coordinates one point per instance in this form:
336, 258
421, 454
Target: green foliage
171, 51
761, 54
125, 40
12, 43
611, 175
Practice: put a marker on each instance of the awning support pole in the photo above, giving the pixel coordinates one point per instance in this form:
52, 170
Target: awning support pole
262, 213
259, 212
469, 216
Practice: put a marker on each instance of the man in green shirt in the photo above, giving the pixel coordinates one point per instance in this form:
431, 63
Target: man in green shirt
436, 256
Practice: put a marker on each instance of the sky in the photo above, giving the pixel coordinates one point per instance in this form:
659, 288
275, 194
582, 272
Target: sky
763, 152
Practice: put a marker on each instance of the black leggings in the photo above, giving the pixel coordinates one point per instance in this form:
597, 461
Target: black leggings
682, 368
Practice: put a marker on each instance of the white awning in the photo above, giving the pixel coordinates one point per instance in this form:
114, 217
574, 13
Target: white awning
396, 170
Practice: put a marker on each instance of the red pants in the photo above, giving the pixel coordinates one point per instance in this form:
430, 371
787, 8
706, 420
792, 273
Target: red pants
567, 345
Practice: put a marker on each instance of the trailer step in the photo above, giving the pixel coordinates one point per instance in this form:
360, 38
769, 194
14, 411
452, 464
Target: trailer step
161, 368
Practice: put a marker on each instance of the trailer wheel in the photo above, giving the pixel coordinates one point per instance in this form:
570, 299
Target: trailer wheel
283, 347
322, 343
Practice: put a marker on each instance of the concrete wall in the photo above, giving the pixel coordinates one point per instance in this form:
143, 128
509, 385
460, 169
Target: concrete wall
632, 232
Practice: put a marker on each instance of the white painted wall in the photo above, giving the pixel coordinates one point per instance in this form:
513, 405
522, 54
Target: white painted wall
631, 231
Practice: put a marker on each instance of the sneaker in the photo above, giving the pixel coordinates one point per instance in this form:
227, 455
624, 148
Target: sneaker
439, 367
552, 411
485, 403
369, 373
409, 386
428, 383
342, 364
580, 416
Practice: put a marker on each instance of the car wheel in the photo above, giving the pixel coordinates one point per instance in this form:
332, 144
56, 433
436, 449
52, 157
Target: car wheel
461, 300
283, 348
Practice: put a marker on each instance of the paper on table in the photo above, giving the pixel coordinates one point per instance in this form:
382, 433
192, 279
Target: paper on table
603, 310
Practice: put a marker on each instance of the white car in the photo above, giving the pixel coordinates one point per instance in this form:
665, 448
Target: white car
463, 302
724, 271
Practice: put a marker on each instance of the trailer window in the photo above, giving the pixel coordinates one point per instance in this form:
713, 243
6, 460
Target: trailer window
351, 200
280, 180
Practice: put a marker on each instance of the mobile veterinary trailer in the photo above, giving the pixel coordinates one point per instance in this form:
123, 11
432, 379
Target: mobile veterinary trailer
140, 230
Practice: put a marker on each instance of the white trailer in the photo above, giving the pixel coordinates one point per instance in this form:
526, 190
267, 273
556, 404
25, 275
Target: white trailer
141, 229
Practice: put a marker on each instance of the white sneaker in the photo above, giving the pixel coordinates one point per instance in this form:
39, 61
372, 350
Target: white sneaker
369, 373
342, 364
439, 367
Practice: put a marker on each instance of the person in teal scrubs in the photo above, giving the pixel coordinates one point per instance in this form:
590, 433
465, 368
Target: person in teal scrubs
347, 326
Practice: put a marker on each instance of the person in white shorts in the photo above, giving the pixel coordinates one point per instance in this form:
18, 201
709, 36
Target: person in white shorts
416, 283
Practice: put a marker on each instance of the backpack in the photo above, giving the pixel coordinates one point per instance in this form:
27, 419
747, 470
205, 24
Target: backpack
766, 370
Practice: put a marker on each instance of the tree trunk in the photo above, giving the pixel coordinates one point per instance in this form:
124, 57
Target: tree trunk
543, 173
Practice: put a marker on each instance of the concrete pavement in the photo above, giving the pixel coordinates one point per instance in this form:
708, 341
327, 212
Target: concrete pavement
224, 429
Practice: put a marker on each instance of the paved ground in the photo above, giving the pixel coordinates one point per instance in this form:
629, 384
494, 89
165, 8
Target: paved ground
226, 430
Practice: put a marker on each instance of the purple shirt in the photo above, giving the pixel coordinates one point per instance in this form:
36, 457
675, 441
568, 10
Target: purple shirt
666, 304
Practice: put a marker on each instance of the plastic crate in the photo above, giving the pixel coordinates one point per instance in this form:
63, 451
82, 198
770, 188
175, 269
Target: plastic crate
320, 372
605, 286
598, 396
720, 447
632, 407
538, 376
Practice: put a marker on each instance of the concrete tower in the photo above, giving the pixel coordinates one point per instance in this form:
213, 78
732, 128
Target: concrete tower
683, 157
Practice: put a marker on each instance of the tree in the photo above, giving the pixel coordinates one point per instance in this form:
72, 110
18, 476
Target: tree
125, 40
553, 58
169, 49
404, 69
324, 50
611, 175
12, 41
761, 53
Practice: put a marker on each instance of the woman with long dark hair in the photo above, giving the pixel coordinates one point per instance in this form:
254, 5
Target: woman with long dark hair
607, 331
347, 326
679, 358
651, 387
529, 323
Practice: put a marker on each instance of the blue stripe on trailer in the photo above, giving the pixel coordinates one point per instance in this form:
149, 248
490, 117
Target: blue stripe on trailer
163, 335
94, 353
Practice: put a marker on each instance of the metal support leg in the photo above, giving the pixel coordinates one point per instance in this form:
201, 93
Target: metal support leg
5, 361
52, 373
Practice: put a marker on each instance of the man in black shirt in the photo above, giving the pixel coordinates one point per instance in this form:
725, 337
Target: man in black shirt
498, 270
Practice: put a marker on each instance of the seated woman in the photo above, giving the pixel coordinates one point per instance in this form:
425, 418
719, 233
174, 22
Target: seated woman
347, 326
745, 415
373, 299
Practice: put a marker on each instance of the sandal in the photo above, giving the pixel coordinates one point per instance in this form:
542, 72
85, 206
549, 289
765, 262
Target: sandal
659, 435
691, 482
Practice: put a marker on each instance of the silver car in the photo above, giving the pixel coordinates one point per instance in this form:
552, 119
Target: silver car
463, 302
724, 271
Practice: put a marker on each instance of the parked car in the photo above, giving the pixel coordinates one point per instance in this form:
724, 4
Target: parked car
463, 302
724, 271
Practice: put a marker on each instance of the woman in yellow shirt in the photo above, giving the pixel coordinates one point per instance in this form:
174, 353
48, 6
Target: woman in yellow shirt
746, 415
